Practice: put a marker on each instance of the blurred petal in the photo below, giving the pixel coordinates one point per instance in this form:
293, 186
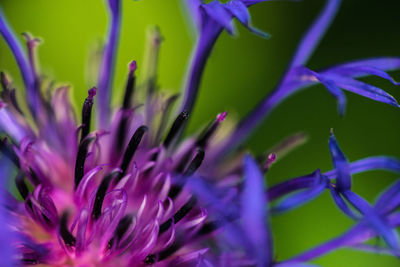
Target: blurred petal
315, 33
343, 179
302, 197
239, 10
254, 212
371, 216
342, 205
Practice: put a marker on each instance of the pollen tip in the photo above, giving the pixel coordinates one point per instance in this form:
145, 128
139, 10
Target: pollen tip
271, 157
2, 104
221, 116
133, 65
92, 92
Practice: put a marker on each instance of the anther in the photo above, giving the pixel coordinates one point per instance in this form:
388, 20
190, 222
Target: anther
179, 215
21, 185
126, 105
80, 159
101, 193
176, 128
191, 169
65, 234
122, 227
131, 149
210, 130
86, 113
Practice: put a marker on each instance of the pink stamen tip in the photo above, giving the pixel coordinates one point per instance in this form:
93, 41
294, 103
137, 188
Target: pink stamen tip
221, 117
271, 158
133, 65
92, 92
2, 104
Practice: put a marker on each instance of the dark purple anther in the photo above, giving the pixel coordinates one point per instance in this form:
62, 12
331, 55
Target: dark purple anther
87, 112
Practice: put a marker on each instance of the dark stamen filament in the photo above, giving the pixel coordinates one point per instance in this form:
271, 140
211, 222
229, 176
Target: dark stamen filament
191, 169
126, 105
203, 139
66, 235
7, 150
182, 212
87, 112
131, 149
21, 185
122, 227
80, 160
101, 193
176, 128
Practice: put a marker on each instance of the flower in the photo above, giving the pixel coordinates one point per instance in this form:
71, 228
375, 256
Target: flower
122, 195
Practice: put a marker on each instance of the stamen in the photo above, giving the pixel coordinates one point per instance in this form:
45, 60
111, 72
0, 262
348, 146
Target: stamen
101, 193
271, 159
21, 185
203, 138
86, 113
131, 149
193, 166
122, 227
130, 85
129, 89
65, 234
176, 128
182, 212
80, 160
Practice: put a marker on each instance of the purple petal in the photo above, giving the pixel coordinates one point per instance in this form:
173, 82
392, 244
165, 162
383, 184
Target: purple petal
363, 89
389, 200
239, 10
6, 235
304, 196
106, 73
363, 165
343, 179
381, 63
254, 216
371, 216
356, 235
22, 61
217, 12
360, 71
342, 205
315, 33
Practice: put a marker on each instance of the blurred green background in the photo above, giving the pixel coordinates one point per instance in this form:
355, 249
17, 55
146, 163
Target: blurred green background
239, 73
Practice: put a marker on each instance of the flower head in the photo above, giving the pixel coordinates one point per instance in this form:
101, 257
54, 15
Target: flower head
132, 192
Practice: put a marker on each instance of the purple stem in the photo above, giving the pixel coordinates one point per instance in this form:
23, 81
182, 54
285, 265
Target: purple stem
106, 73
23, 63
303, 52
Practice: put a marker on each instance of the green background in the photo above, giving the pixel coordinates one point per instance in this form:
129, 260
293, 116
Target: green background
239, 73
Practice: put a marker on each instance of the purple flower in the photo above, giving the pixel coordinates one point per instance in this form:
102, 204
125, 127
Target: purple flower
132, 192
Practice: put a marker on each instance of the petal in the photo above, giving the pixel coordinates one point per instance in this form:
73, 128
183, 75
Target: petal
343, 179
106, 73
6, 235
364, 89
302, 197
371, 216
217, 12
239, 10
342, 205
254, 216
315, 33
389, 200
22, 61
381, 63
